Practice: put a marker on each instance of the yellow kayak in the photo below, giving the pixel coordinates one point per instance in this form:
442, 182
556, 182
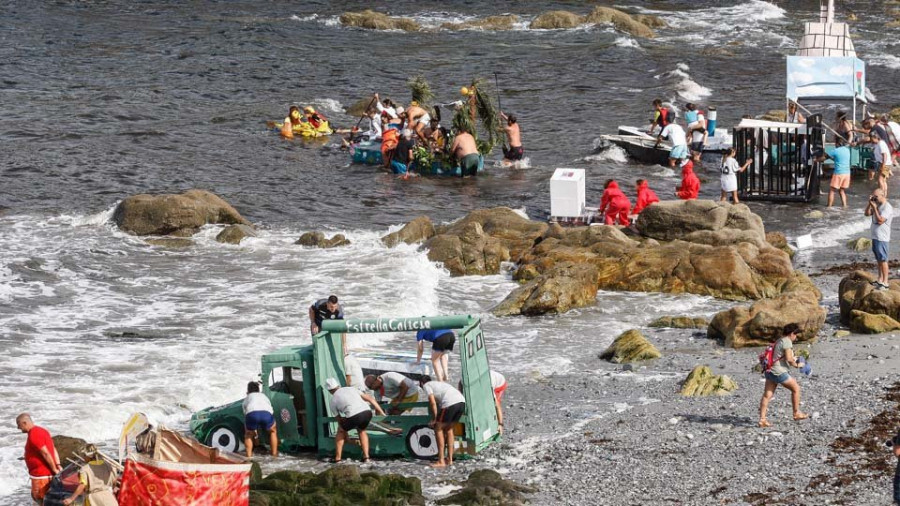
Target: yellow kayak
305, 129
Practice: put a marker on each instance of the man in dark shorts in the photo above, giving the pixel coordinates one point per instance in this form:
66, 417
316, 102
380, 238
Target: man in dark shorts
514, 152
349, 406
258, 415
447, 406
442, 342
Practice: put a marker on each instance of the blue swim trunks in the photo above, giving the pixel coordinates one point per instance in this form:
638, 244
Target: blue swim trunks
397, 167
679, 151
256, 420
781, 378
880, 248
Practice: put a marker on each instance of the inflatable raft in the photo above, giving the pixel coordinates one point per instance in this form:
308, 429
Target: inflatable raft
369, 153
304, 129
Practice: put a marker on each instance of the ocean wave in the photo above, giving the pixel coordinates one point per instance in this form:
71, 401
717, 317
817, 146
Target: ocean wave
683, 84
626, 42
610, 154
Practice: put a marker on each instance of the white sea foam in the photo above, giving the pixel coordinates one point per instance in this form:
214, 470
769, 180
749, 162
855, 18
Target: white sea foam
716, 26
885, 60
626, 42
610, 154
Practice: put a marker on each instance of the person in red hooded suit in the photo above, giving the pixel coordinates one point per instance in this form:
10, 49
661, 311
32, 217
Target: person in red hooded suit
690, 185
614, 204
645, 196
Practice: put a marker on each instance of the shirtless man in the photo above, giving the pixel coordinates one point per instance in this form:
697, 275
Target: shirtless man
465, 150
417, 119
515, 152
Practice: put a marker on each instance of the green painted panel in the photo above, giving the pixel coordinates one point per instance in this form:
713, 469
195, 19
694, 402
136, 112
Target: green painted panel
482, 424
329, 363
370, 325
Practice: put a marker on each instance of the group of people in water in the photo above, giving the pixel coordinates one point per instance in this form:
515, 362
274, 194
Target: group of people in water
410, 135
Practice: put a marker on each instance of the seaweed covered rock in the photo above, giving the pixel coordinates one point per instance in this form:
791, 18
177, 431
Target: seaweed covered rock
860, 244
774, 115
630, 346
337, 486
702, 382
622, 21
499, 23
378, 21
779, 241
679, 322
416, 231
894, 114
179, 215
318, 240
868, 323
553, 20
560, 289
702, 221
651, 20
234, 234
487, 487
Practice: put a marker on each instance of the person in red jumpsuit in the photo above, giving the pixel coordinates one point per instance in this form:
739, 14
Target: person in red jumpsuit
645, 196
690, 184
614, 204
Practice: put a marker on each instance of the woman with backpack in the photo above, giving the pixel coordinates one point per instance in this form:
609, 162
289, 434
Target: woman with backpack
776, 359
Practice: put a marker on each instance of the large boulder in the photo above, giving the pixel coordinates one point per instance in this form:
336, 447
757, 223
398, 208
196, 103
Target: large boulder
516, 232
505, 22
553, 20
630, 346
867, 310
856, 292
487, 487
418, 230
679, 322
318, 240
703, 221
377, 21
701, 382
622, 21
337, 486
234, 234
180, 215
564, 287
469, 251
763, 322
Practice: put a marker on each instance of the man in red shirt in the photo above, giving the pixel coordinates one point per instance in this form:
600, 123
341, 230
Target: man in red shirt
40, 456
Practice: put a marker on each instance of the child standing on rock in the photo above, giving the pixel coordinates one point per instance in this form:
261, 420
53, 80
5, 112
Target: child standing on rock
778, 374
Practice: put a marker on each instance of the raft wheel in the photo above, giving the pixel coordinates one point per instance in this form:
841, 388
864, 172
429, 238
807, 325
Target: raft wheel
225, 438
421, 442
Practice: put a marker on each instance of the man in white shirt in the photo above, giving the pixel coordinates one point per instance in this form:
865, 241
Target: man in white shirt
258, 415
396, 387
447, 406
349, 406
883, 161
677, 137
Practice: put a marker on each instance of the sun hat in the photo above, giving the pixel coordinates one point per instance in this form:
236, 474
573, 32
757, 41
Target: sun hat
332, 384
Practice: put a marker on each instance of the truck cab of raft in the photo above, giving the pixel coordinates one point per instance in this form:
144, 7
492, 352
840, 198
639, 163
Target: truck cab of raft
294, 380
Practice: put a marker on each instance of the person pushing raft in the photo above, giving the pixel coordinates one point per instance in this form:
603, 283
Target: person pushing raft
514, 152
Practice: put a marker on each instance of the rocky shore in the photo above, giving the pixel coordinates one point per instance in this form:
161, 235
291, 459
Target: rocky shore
666, 414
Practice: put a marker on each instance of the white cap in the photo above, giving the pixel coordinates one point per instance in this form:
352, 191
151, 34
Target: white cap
332, 384
400, 110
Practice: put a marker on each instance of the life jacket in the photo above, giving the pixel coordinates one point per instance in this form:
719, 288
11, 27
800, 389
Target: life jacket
645, 197
665, 117
317, 119
389, 139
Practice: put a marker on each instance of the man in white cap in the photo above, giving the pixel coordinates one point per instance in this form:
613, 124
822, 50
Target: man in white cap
396, 387
349, 406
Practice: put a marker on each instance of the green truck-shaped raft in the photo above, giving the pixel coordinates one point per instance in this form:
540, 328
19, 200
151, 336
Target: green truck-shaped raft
294, 380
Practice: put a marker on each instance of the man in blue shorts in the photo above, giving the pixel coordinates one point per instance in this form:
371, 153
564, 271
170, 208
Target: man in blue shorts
258, 415
442, 342
882, 213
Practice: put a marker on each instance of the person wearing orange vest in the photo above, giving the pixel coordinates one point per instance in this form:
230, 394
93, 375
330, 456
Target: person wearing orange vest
661, 118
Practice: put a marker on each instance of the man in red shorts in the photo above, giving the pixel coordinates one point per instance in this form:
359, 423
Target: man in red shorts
40, 457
